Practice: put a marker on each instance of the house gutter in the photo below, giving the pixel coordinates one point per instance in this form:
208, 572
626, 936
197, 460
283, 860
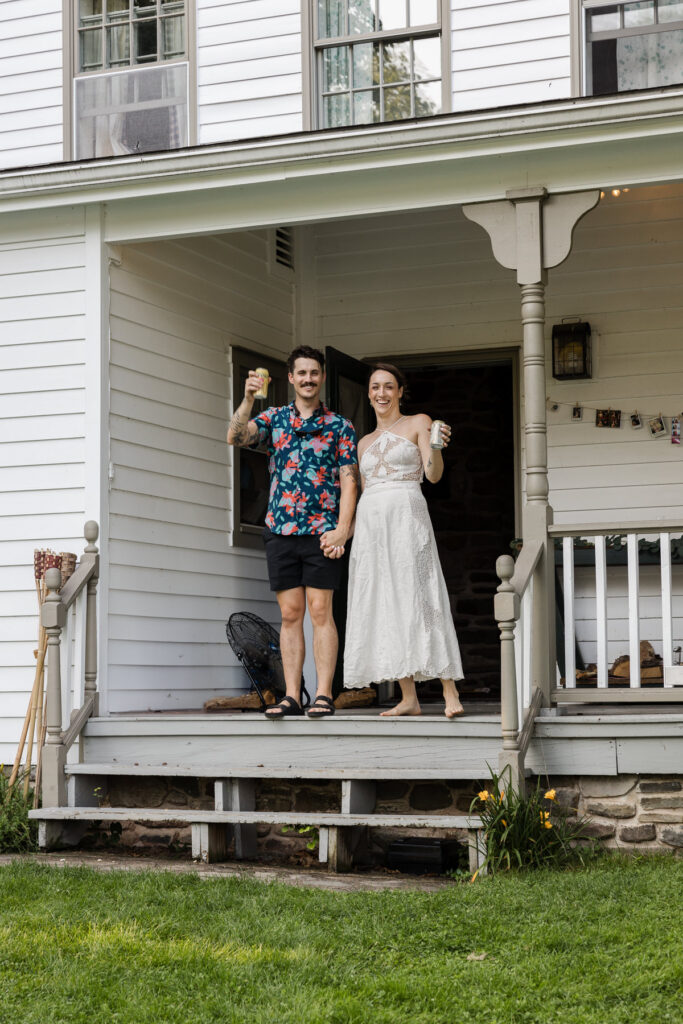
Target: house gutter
561, 126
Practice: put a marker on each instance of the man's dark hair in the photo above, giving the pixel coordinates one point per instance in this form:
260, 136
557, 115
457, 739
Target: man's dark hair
305, 352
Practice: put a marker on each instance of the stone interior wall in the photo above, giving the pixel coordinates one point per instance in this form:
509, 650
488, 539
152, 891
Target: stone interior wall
627, 812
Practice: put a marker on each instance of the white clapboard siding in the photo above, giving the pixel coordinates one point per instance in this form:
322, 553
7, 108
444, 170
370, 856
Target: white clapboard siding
174, 576
31, 88
510, 52
624, 277
249, 78
42, 352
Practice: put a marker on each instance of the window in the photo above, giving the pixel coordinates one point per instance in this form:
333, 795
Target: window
133, 77
633, 45
125, 33
378, 60
251, 480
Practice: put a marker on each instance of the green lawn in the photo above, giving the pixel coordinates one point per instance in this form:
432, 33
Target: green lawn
599, 945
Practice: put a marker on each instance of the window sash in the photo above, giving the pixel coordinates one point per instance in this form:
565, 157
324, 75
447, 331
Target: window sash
119, 35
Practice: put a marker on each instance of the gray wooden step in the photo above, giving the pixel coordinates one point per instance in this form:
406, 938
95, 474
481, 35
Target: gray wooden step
212, 830
156, 814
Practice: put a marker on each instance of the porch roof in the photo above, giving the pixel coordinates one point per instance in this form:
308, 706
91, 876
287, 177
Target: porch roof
566, 146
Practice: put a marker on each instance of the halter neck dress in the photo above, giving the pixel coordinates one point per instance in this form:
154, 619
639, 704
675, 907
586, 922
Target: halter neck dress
399, 620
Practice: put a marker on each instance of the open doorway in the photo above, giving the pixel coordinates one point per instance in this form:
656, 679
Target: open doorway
473, 506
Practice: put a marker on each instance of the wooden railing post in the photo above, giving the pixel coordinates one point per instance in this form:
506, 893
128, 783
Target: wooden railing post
91, 533
53, 617
506, 610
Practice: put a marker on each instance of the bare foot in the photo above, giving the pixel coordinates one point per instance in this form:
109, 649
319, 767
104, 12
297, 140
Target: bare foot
452, 698
404, 707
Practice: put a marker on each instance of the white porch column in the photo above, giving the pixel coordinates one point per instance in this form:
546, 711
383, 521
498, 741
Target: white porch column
530, 232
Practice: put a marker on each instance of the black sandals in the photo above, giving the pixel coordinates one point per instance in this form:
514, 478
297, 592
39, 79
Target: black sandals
322, 707
287, 708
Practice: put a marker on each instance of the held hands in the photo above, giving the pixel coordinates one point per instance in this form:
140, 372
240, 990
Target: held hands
333, 542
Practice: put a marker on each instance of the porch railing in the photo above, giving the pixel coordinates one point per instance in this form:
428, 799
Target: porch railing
72, 666
520, 697
663, 531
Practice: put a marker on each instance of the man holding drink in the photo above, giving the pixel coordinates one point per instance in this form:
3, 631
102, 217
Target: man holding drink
313, 487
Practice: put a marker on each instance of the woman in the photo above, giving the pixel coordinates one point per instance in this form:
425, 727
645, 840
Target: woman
399, 623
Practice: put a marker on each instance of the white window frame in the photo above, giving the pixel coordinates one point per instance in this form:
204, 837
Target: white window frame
579, 53
71, 71
312, 84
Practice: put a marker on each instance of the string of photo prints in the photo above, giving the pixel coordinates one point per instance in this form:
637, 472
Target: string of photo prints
611, 419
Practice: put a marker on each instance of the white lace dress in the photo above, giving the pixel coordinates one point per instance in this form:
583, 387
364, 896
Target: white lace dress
399, 618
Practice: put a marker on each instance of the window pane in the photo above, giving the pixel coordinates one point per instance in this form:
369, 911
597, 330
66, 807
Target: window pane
365, 65
605, 19
392, 14
396, 62
639, 14
670, 10
91, 50
396, 102
361, 16
336, 69
427, 57
366, 107
90, 10
427, 99
145, 41
424, 12
118, 45
336, 110
117, 9
331, 18
173, 36
649, 60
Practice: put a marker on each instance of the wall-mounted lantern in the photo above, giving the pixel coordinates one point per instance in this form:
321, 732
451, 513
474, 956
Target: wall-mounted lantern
571, 351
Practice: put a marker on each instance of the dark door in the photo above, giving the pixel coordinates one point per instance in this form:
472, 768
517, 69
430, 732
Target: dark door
347, 389
347, 394
473, 506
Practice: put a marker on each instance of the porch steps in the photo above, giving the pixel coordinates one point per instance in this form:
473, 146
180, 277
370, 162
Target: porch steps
210, 837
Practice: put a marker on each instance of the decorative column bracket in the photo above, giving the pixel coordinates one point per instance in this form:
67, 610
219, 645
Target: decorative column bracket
531, 231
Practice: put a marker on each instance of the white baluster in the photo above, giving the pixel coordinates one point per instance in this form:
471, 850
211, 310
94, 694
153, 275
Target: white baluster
601, 609
667, 608
633, 610
569, 624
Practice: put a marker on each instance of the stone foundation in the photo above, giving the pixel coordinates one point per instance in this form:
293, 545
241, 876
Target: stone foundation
627, 812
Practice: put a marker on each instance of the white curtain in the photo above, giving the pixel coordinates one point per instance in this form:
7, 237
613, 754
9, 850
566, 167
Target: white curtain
647, 61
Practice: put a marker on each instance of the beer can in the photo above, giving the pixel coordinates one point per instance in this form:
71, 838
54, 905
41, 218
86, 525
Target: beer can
262, 392
435, 438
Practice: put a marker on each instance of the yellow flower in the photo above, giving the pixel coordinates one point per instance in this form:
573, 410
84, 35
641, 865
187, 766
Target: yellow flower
484, 795
550, 795
504, 822
548, 824
502, 794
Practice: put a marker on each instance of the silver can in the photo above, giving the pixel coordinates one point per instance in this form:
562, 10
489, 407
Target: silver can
435, 436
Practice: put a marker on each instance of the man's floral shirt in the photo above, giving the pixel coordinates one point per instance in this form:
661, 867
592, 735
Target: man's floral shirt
305, 456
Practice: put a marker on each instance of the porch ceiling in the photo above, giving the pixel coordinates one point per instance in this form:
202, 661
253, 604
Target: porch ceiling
565, 146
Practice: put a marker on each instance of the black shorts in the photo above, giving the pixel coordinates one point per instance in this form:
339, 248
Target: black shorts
296, 560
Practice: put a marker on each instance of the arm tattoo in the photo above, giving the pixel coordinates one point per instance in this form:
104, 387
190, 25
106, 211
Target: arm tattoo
240, 430
351, 471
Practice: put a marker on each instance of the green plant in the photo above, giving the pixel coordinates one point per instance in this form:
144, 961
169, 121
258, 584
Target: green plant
526, 830
305, 830
17, 833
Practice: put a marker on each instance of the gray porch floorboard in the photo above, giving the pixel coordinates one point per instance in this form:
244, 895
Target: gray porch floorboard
590, 740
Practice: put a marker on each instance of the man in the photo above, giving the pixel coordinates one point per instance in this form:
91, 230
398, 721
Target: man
313, 487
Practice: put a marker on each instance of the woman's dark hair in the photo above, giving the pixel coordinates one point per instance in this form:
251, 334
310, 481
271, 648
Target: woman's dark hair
305, 352
395, 372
